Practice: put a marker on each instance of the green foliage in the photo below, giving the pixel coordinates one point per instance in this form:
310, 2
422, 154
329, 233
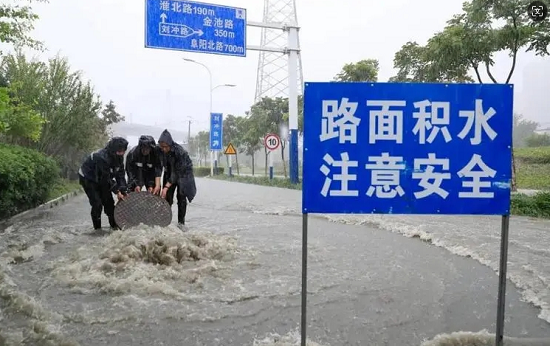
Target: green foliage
533, 168
230, 130
539, 155
26, 178
522, 130
534, 206
110, 115
63, 187
200, 144
538, 140
67, 104
205, 171
16, 22
361, 71
469, 42
18, 120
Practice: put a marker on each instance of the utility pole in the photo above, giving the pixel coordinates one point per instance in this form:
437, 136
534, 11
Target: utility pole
189, 135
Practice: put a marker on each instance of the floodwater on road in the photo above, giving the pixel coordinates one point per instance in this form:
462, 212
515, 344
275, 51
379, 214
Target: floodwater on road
234, 278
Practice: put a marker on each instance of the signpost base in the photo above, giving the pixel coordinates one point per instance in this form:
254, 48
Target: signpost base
304, 281
505, 227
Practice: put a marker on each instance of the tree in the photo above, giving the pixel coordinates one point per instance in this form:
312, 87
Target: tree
522, 130
361, 71
251, 130
269, 113
110, 115
232, 134
67, 104
469, 42
200, 144
16, 22
18, 120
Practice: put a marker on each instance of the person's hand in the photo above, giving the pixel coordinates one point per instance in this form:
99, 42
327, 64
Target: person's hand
120, 196
163, 193
137, 189
156, 190
150, 189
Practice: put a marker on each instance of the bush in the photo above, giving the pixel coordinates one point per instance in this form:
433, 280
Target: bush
26, 178
538, 140
534, 206
204, 171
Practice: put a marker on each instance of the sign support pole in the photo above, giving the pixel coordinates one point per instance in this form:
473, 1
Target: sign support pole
271, 165
304, 281
215, 162
212, 162
293, 102
505, 227
230, 164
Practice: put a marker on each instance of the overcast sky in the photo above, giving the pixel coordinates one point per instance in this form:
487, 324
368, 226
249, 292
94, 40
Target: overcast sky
104, 39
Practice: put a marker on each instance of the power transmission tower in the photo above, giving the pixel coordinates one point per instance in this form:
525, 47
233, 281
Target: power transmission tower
272, 75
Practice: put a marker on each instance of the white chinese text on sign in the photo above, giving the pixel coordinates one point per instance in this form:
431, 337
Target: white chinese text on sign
407, 148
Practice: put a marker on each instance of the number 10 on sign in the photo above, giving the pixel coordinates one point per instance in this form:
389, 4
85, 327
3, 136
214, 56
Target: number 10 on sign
271, 142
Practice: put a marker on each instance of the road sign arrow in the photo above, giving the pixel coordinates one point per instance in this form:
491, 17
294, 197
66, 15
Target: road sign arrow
199, 32
163, 17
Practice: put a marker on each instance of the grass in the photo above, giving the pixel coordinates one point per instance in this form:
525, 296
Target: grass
63, 187
260, 180
532, 168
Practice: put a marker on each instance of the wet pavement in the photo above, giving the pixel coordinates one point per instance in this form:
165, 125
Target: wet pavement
241, 277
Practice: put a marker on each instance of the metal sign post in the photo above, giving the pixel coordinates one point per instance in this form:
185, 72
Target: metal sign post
408, 148
230, 151
505, 227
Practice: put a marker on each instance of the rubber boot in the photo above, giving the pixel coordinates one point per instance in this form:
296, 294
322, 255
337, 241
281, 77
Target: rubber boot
113, 224
97, 223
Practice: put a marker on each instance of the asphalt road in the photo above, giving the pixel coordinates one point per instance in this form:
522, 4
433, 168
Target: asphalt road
367, 286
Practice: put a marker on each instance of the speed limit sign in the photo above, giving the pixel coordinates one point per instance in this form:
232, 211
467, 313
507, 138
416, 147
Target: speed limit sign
272, 141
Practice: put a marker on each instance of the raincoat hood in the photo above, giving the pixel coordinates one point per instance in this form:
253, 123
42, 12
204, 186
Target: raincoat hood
116, 144
166, 137
146, 141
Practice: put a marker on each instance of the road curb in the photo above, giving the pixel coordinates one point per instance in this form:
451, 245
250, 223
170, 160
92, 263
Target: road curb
50, 204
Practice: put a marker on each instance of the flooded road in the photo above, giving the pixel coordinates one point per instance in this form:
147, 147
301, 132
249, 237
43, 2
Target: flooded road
234, 279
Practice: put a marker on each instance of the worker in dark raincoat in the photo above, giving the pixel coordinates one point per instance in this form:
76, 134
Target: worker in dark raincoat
102, 174
143, 166
178, 174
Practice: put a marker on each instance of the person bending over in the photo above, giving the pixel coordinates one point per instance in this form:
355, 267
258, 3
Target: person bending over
178, 174
101, 174
143, 166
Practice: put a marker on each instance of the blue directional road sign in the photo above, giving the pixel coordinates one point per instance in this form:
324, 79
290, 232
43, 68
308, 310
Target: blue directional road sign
195, 27
216, 131
407, 148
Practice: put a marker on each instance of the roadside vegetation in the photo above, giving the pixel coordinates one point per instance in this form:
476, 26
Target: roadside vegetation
50, 109
533, 173
50, 118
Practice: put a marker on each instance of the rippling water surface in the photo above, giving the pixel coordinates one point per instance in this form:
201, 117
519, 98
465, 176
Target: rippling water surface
234, 279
